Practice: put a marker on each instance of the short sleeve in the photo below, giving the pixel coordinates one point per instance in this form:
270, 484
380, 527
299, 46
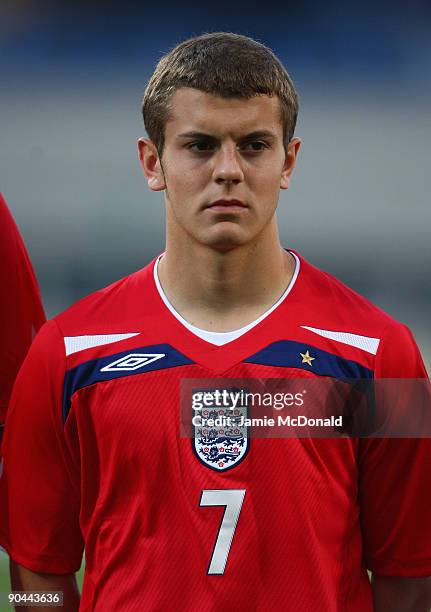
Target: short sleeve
21, 311
39, 494
395, 478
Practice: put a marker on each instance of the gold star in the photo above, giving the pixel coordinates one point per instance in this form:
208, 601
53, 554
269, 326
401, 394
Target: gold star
307, 358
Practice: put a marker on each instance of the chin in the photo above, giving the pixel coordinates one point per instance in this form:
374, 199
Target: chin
226, 241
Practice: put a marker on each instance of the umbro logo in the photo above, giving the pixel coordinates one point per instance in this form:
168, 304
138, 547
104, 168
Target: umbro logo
133, 361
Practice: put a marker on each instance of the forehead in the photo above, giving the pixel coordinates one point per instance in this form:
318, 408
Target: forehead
194, 110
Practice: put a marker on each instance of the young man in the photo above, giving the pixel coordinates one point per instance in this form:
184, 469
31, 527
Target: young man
21, 311
94, 456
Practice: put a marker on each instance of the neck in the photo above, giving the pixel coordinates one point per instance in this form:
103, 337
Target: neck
223, 291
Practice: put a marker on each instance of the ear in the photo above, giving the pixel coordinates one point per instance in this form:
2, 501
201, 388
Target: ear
151, 166
289, 162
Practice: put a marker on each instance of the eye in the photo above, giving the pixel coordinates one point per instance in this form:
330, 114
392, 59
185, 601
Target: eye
201, 146
254, 146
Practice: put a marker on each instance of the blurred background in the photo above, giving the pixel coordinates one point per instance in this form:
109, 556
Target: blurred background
72, 81
72, 78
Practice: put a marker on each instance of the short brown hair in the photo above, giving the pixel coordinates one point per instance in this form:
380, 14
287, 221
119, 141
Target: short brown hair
225, 64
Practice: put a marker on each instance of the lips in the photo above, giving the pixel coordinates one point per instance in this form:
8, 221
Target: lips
227, 205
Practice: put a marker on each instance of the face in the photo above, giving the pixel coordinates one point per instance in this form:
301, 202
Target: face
222, 167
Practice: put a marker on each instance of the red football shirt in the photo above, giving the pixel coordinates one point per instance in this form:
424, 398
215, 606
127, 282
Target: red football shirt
94, 458
21, 312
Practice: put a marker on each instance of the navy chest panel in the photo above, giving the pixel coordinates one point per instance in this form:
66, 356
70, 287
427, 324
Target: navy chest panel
284, 353
119, 365
290, 354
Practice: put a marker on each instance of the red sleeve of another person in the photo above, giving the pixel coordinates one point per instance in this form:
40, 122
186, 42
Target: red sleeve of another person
21, 311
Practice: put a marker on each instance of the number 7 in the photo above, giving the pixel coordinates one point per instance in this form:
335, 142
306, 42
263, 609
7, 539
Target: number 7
232, 499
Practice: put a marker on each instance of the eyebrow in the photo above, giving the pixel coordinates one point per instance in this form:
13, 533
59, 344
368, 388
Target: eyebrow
252, 136
194, 135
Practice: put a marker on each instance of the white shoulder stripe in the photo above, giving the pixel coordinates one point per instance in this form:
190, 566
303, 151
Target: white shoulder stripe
366, 343
73, 344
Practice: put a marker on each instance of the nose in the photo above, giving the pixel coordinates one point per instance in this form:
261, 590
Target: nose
227, 166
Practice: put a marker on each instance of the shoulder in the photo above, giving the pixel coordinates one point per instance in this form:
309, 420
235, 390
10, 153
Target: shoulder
330, 301
16, 270
109, 309
8, 228
104, 322
336, 312
113, 314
